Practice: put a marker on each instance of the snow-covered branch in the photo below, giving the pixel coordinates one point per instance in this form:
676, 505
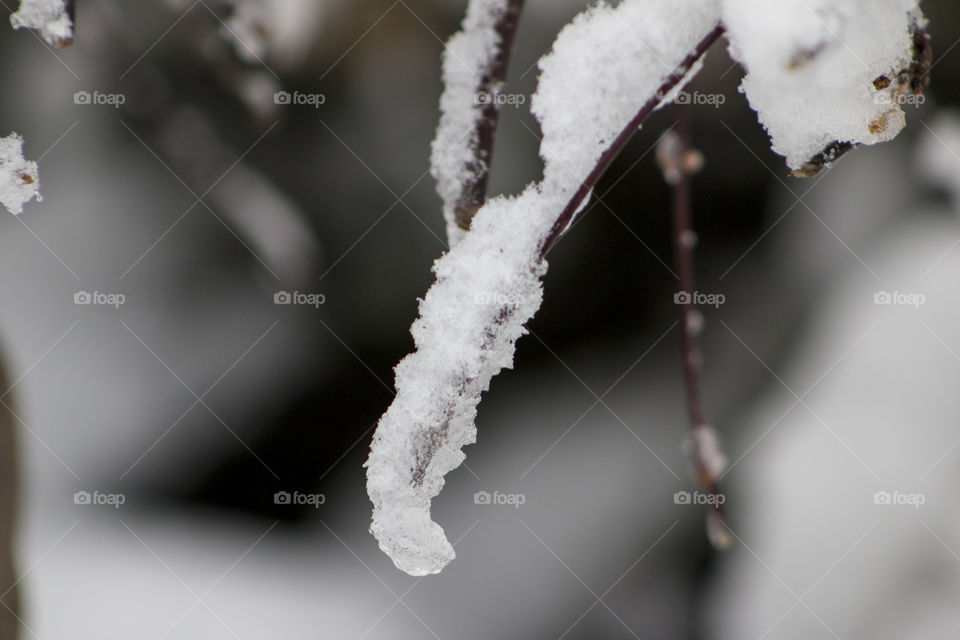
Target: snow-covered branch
475, 65
604, 66
824, 76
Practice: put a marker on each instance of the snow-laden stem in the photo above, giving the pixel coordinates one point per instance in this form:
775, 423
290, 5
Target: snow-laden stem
488, 285
475, 187
475, 63
574, 206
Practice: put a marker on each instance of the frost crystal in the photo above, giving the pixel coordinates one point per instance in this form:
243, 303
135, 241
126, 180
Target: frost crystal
824, 75
603, 67
18, 177
50, 17
468, 60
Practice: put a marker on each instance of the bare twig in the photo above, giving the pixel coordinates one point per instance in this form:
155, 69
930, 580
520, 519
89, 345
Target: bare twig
583, 191
679, 161
475, 188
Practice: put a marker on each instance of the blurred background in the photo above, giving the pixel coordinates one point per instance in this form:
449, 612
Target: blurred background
191, 446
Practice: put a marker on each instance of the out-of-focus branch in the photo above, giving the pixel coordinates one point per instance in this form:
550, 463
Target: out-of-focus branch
475, 188
679, 162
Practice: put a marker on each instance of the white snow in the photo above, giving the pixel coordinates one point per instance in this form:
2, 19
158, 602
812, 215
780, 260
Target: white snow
811, 68
467, 58
603, 67
50, 17
18, 177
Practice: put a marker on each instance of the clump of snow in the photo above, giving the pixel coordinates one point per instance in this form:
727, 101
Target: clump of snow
468, 58
603, 67
18, 177
823, 71
49, 17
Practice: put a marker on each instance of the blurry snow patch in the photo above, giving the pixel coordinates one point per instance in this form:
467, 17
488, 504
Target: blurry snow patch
602, 68
18, 177
50, 17
822, 71
938, 158
281, 30
847, 508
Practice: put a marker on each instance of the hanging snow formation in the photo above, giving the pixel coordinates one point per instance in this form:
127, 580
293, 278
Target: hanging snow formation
603, 66
815, 77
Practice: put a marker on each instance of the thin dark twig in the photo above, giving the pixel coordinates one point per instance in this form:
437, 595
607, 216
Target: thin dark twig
683, 247
475, 188
607, 157
679, 161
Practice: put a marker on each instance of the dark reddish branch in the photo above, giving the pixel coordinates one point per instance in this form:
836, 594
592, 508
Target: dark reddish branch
475, 190
683, 257
607, 157
684, 243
